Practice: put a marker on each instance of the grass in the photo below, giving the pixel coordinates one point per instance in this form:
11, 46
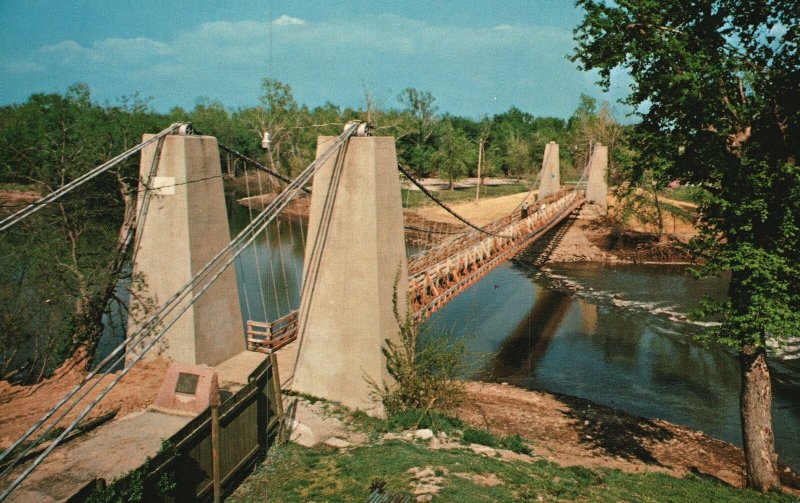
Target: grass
513, 442
415, 419
296, 474
687, 193
415, 198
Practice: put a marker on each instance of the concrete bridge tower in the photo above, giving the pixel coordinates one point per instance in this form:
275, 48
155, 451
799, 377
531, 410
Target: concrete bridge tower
597, 187
184, 226
355, 261
550, 181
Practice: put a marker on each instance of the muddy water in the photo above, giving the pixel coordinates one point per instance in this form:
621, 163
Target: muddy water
618, 336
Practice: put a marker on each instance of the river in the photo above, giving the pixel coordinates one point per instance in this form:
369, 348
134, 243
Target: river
618, 336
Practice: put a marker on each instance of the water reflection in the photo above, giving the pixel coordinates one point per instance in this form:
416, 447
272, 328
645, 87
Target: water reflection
269, 273
520, 353
618, 340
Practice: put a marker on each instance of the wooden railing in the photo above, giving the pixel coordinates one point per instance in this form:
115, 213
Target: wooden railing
268, 336
461, 263
249, 423
441, 273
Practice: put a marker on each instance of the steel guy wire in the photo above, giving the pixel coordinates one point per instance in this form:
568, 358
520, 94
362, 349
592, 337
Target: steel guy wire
267, 215
58, 193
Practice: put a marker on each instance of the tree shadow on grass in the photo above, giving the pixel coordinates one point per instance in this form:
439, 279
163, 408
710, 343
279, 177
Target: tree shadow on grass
616, 433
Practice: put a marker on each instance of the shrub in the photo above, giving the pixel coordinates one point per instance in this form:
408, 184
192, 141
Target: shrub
415, 418
426, 370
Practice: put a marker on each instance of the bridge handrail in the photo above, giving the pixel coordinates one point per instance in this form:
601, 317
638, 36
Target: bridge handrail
438, 253
475, 261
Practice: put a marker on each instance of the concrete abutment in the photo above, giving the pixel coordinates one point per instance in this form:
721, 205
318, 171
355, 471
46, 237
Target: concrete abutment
355, 262
597, 187
550, 181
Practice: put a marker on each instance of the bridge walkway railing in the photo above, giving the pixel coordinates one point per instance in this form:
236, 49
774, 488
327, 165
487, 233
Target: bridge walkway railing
440, 274
466, 260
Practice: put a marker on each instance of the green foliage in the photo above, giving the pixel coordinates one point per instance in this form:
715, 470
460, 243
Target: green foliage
166, 484
479, 436
518, 156
409, 419
294, 473
57, 268
454, 155
513, 442
715, 86
426, 370
416, 130
689, 194
415, 198
132, 492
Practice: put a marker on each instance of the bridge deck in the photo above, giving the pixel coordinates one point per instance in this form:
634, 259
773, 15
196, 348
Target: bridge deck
438, 275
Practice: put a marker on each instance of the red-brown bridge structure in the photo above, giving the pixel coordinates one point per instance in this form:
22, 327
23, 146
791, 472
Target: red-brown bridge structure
441, 273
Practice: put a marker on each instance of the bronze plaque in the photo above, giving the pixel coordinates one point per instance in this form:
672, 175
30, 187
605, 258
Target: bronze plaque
187, 383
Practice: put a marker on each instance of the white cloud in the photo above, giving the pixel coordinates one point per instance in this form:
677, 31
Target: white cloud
332, 60
285, 20
20, 67
64, 52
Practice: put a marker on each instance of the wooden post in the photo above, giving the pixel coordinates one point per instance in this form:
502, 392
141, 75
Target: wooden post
276, 394
214, 402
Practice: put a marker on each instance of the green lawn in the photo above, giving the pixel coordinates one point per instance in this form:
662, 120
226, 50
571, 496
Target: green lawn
415, 198
296, 474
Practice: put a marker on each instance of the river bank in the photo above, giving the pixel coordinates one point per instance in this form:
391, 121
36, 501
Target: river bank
574, 432
336, 454
588, 237
562, 429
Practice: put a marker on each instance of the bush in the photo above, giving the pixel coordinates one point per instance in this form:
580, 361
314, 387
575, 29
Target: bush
416, 418
482, 437
426, 371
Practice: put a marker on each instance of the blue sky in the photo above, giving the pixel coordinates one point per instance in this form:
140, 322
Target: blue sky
476, 57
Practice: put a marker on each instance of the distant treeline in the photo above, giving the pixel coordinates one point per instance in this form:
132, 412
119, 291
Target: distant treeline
34, 134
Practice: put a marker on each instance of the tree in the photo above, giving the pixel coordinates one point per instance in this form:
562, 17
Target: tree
454, 153
65, 261
277, 115
715, 85
415, 144
518, 156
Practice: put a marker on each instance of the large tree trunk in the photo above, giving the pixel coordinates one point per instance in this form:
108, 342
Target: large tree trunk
755, 401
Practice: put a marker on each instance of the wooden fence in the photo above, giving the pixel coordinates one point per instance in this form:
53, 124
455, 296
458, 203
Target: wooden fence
249, 422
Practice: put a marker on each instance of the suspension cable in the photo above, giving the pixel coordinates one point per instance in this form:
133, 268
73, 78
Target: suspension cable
444, 206
232, 251
258, 165
56, 194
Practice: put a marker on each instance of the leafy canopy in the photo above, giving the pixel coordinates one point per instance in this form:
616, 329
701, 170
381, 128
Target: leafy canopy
715, 84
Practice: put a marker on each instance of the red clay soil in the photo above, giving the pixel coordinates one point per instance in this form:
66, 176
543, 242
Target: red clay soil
15, 200
22, 406
571, 431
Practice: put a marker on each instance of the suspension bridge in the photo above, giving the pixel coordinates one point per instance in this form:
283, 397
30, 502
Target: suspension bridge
341, 309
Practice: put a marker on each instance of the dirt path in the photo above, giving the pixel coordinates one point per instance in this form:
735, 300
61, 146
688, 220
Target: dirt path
22, 406
571, 431
481, 212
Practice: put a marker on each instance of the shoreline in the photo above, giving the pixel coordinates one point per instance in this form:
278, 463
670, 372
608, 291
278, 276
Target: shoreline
572, 431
